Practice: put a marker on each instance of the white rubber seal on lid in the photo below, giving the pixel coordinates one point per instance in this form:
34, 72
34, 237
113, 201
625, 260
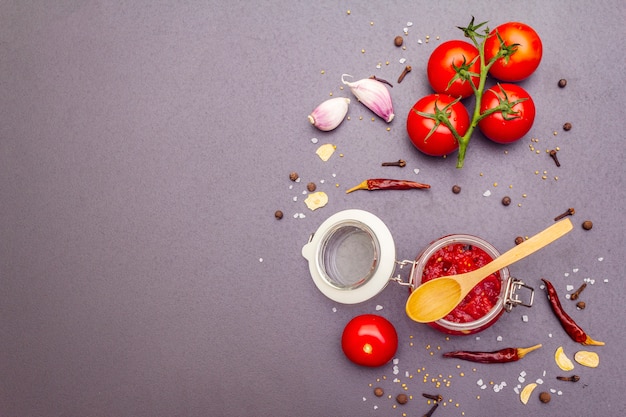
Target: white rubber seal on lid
351, 256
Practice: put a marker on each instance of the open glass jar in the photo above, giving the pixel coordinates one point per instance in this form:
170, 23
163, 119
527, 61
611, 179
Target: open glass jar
352, 258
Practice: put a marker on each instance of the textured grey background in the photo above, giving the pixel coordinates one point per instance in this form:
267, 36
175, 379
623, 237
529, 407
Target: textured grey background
146, 145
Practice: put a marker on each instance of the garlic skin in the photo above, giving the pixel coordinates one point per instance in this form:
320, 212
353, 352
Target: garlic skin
329, 114
374, 95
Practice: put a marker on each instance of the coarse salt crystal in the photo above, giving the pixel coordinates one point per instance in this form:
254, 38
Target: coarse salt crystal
516, 389
291, 187
525, 318
334, 309
364, 399
600, 259
487, 193
295, 198
552, 390
559, 393
402, 60
575, 270
301, 215
484, 387
378, 66
566, 274
550, 335
260, 259
322, 181
314, 140
406, 31
479, 382
419, 41
521, 379
416, 170
379, 307
523, 373
569, 287
477, 337
539, 381
396, 361
375, 407
499, 338
409, 24
606, 280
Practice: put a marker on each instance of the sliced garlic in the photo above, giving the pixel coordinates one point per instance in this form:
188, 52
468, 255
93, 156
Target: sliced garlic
374, 95
562, 360
316, 200
326, 151
586, 358
328, 115
524, 396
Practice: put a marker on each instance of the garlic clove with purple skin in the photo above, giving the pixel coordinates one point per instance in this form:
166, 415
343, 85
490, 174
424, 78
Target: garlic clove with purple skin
373, 94
330, 113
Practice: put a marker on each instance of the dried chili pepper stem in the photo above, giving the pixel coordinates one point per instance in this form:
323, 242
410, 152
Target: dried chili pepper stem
498, 356
398, 163
434, 397
576, 293
573, 378
387, 184
569, 325
432, 410
569, 212
552, 154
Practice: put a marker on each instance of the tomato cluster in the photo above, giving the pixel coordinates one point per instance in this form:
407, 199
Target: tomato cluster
439, 124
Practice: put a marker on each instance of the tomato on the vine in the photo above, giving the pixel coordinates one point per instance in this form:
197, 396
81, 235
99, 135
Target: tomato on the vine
432, 136
369, 340
441, 68
502, 127
525, 57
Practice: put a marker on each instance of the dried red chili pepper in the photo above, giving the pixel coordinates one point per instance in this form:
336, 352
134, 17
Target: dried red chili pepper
498, 356
569, 325
386, 184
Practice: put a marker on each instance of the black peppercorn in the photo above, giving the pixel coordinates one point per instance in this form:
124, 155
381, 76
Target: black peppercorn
519, 240
506, 200
379, 392
544, 397
278, 214
562, 82
293, 176
456, 189
581, 305
398, 41
567, 126
311, 186
587, 224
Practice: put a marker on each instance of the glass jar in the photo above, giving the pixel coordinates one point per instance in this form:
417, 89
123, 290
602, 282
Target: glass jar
483, 306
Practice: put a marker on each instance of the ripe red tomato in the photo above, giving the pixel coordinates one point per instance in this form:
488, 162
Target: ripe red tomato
526, 58
441, 70
369, 340
496, 126
441, 141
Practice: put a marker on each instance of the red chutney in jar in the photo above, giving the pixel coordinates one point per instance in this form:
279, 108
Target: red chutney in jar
459, 258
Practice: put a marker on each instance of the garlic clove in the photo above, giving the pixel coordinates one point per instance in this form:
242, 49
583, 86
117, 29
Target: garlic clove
329, 114
374, 95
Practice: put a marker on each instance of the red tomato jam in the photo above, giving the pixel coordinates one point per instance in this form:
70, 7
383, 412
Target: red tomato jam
457, 259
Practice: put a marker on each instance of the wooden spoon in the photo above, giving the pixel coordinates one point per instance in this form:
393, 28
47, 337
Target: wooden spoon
434, 299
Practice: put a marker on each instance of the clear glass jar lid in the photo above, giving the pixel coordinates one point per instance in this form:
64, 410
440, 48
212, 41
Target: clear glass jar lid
351, 256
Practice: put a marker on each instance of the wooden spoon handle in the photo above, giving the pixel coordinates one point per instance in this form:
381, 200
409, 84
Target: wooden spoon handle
529, 246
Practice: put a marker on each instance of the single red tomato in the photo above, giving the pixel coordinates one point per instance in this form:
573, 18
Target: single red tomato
521, 63
441, 68
506, 128
433, 137
369, 340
